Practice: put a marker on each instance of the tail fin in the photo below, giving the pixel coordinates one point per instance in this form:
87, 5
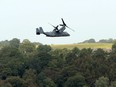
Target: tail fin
39, 31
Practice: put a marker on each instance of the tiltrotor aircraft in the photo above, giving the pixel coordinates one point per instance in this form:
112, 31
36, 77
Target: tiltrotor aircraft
56, 32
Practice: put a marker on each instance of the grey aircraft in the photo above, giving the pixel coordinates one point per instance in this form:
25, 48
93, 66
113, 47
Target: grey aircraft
56, 32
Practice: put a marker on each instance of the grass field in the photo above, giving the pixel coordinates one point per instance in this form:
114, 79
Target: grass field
83, 45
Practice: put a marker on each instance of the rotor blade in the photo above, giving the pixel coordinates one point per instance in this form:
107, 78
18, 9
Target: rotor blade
70, 28
63, 22
52, 25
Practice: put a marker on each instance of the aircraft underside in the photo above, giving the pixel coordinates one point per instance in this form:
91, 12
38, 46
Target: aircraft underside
57, 34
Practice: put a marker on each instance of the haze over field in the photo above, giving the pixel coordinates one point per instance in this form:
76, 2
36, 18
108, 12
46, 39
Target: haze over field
89, 18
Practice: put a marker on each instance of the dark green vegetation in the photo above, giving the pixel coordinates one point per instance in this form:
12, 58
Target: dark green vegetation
26, 65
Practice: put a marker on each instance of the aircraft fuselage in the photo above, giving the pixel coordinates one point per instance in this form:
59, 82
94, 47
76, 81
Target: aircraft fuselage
56, 34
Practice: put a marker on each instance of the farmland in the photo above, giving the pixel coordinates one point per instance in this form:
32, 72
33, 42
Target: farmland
83, 45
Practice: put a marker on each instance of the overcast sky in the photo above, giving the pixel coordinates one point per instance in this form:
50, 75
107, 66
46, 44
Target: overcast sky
89, 18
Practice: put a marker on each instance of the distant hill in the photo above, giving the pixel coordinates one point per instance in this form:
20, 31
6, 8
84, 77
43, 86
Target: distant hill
110, 40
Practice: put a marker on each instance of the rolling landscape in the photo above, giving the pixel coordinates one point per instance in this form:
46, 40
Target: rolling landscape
57, 43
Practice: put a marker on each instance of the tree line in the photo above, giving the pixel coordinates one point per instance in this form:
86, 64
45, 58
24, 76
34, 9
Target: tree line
28, 64
110, 40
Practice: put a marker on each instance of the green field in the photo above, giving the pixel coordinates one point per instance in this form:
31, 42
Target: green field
83, 45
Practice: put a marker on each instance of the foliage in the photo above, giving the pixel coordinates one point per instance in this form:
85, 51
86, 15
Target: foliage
15, 42
27, 64
102, 82
113, 84
114, 47
15, 81
75, 81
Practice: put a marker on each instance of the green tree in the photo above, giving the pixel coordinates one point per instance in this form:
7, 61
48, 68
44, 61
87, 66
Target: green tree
72, 55
40, 79
44, 49
44, 81
30, 78
85, 52
39, 61
15, 81
75, 81
113, 84
59, 57
4, 84
99, 53
27, 48
49, 83
9, 52
102, 82
4, 43
114, 47
14, 42
112, 71
64, 74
